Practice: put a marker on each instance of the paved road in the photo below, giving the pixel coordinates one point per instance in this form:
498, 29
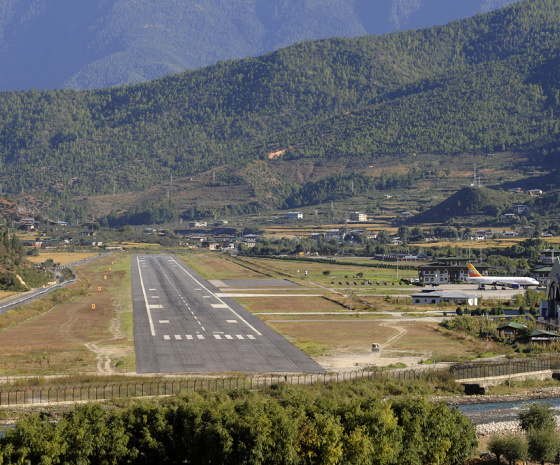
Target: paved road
182, 326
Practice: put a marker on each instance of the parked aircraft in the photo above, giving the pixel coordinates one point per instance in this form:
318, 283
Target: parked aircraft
514, 282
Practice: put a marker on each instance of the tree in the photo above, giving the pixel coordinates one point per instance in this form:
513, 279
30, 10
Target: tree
326, 272
497, 446
537, 416
544, 444
515, 448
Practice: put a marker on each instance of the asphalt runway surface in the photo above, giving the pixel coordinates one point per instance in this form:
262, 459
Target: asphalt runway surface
181, 325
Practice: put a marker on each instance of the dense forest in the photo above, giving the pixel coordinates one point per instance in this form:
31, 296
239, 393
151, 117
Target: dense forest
483, 84
287, 425
102, 43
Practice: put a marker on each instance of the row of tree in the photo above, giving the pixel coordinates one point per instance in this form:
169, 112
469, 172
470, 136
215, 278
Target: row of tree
287, 425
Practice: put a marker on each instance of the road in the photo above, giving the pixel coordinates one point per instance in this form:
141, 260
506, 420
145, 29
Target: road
182, 324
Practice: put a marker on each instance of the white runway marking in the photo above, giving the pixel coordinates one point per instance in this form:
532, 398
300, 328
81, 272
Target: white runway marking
200, 336
189, 337
146, 301
239, 336
217, 336
250, 336
228, 336
231, 321
162, 322
166, 337
220, 306
178, 337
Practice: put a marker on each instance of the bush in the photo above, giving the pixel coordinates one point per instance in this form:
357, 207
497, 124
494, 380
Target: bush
459, 311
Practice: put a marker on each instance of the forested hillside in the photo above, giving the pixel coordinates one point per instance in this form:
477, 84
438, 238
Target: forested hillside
100, 43
481, 85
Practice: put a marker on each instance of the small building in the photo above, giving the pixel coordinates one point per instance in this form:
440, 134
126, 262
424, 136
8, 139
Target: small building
89, 233
510, 216
541, 273
521, 209
210, 245
317, 236
198, 224
535, 192
294, 216
431, 296
358, 217
540, 335
510, 234
510, 329
406, 215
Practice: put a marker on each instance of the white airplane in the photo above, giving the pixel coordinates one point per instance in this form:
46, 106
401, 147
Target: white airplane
510, 281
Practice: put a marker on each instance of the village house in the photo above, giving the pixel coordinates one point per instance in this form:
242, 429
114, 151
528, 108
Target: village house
294, 216
358, 217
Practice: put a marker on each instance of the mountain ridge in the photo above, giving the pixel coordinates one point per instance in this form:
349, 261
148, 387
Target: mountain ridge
101, 43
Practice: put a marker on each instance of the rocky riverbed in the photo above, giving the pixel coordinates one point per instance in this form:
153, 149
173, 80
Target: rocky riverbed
502, 427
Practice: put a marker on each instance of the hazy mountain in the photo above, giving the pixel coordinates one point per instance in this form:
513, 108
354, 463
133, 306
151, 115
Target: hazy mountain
97, 43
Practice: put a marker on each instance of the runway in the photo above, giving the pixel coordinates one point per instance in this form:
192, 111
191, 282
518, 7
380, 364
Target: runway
182, 324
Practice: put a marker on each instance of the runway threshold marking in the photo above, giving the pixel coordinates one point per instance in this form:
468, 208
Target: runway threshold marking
220, 300
146, 299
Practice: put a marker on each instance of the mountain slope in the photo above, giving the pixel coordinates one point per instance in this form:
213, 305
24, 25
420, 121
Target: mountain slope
101, 43
479, 85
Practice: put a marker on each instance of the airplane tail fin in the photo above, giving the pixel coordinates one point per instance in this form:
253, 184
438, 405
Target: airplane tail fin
473, 272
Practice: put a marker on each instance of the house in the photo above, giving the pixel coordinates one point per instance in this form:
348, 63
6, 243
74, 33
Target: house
210, 245
387, 196
510, 216
333, 234
540, 335
222, 221
406, 215
372, 235
431, 296
510, 329
88, 232
448, 270
521, 208
358, 217
396, 240
317, 236
548, 255
535, 192
510, 234
294, 216
198, 224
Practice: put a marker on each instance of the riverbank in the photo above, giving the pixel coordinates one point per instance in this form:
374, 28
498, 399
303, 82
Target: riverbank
529, 394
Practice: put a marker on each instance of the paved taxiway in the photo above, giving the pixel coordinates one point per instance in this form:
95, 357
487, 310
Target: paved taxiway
182, 324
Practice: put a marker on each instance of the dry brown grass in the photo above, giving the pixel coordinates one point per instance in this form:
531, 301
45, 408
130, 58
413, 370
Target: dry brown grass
48, 336
214, 266
64, 258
